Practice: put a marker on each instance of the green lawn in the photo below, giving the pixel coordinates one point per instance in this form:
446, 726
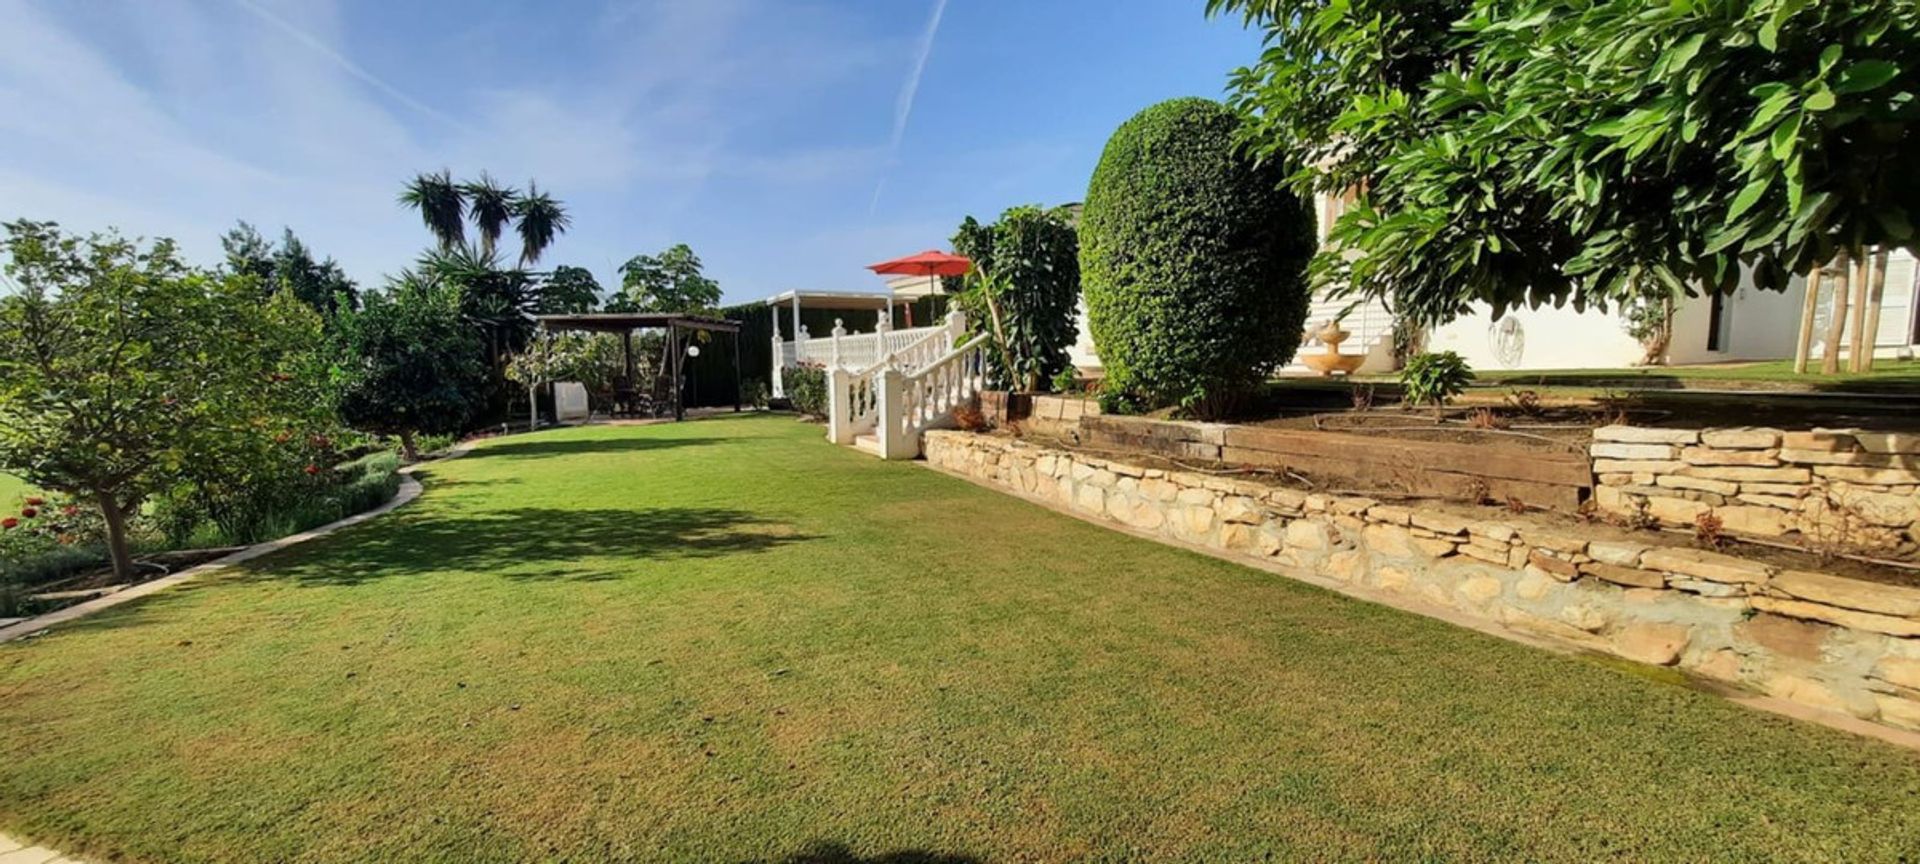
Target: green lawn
727, 640
12, 489
1888, 376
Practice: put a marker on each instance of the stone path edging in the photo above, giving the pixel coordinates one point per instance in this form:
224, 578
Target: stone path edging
15, 852
409, 490
1758, 701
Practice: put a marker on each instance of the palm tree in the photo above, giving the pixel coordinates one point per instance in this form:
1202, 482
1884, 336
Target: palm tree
541, 219
491, 206
441, 206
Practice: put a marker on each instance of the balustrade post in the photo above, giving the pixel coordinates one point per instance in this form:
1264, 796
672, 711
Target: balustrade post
896, 441
956, 328
839, 405
800, 345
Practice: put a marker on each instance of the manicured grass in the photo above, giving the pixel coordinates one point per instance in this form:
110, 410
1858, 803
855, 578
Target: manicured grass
1887, 376
728, 640
12, 489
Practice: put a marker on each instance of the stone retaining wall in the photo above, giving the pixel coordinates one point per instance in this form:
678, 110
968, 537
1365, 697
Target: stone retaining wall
1825, 489
1813, 638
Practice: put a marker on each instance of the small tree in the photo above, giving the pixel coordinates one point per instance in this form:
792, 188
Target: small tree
1193, 260
547, 358
669, 282
410, 364
120, 367
1025, 288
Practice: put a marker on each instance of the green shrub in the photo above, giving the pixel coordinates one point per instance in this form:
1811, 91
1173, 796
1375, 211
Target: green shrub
807, 389
1193, 261
1027, 270
1435, 378
1065, 381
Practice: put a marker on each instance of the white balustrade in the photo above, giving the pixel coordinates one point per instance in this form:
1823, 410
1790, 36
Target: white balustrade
914, 386
912, 402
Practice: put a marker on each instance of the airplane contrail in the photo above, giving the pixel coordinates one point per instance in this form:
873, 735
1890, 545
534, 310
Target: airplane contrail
352, 68
903, 107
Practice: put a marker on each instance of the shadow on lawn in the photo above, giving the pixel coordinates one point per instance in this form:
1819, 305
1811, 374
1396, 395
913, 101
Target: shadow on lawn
835, 853
529, 543
625, 444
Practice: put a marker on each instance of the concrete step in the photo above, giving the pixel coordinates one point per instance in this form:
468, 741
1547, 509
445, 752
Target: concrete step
869, 443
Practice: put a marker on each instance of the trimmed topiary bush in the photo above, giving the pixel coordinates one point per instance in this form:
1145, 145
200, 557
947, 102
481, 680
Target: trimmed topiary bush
1193, 260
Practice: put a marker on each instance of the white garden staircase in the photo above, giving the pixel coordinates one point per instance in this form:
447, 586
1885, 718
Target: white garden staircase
884, 406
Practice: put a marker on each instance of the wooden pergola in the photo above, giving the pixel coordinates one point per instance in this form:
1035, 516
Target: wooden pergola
624, 323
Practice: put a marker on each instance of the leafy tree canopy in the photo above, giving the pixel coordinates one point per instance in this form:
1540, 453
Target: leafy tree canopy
568, 290
411, 363
1543, 151
321, 285
671, 281
120, 367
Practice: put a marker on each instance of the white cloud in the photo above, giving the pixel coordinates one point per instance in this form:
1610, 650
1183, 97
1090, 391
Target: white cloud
179, 118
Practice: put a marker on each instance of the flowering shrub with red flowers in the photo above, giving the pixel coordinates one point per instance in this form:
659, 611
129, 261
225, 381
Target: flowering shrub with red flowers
45, 537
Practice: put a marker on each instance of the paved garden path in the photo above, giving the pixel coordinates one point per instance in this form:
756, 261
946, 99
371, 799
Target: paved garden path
14, 852
729, 640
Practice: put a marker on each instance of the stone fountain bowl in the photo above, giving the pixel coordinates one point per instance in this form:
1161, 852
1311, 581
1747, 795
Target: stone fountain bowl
1328, 364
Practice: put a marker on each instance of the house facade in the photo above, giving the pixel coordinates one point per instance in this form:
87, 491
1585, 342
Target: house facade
1749, 324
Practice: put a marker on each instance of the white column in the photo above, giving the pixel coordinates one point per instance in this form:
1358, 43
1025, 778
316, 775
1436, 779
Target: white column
777, 379
798, 334
839, 410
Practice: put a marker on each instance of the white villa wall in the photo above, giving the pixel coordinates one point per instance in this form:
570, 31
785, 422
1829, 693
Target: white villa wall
1761, 325
1544, 338
1083, 355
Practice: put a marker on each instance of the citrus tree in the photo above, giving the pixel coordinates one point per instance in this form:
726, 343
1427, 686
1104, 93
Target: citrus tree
123, 370
410, 364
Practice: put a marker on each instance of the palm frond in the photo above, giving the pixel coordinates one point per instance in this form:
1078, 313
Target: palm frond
441, 205
491, 206
542, 218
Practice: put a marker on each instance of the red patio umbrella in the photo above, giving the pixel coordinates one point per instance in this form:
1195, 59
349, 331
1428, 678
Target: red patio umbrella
930, 263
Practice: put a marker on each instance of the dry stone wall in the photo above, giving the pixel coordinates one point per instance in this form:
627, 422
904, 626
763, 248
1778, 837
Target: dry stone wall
1825, 489
1814, 638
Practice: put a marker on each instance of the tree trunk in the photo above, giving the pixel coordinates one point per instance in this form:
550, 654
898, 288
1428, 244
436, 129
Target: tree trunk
1837, 319
409, 448
1810, 309
116, 534
1859, 344
1875, 294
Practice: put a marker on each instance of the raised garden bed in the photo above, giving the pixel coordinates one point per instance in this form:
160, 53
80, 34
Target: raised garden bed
1530, 474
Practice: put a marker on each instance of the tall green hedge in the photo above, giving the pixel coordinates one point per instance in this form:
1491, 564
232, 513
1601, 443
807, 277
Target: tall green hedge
1193, 261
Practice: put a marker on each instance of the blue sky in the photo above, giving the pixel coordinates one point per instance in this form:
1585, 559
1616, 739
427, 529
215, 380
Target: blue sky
777, 138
